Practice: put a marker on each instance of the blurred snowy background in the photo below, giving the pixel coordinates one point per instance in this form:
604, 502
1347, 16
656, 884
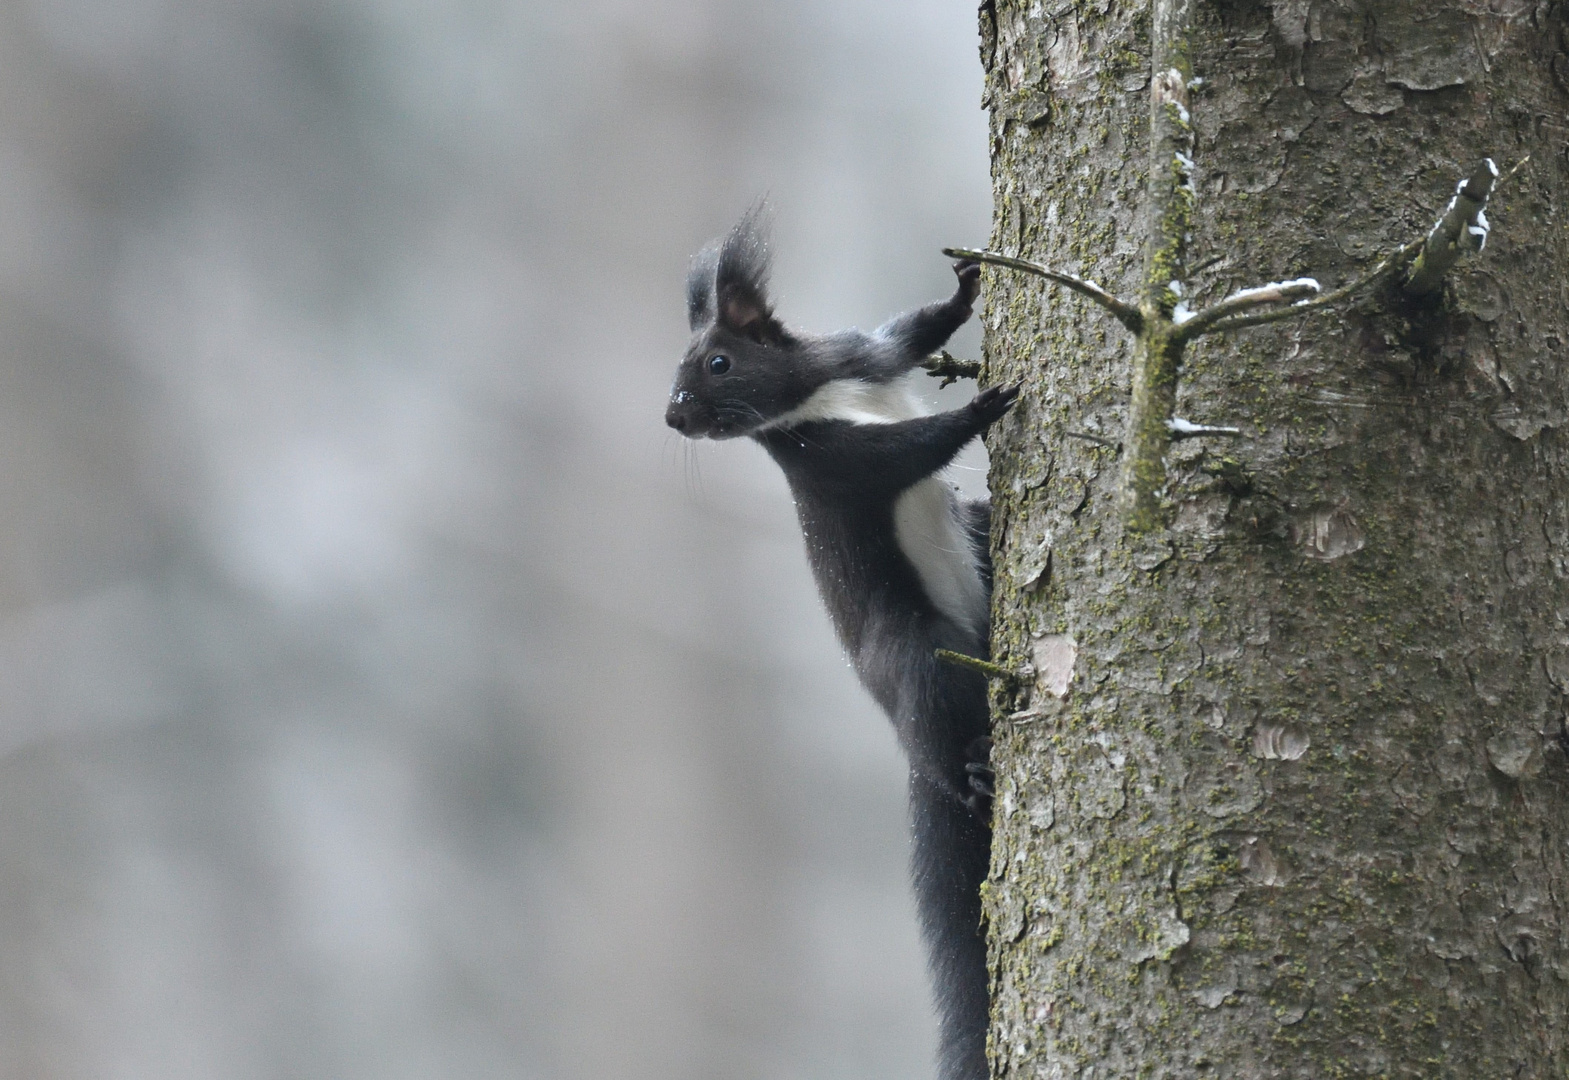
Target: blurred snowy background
384, 692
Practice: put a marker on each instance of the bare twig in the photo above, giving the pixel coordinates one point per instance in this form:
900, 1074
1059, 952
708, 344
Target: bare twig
985, 667
1390, 263
949, 368
1126, 313
1276, 292
1096, 439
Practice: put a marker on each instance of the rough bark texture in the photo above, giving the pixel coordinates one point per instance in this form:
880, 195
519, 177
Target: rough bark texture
1287, 797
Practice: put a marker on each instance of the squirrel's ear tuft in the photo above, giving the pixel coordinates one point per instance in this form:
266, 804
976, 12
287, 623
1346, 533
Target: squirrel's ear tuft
741, 279
700, 302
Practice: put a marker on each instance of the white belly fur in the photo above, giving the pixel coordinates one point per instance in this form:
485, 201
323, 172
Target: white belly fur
926, 525
926, 517
857, 401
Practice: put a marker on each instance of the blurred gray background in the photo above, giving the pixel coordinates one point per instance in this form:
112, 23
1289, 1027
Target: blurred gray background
384, 692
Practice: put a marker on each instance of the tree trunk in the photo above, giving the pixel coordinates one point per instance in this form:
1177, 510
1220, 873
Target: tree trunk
1285, 793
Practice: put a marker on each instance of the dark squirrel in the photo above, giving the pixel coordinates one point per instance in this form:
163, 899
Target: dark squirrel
901, 562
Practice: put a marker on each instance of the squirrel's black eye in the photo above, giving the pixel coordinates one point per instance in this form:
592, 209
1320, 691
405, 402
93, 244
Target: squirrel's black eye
719, 364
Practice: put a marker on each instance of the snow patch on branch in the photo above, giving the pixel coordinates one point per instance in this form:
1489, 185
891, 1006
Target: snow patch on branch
1188, 429
1478, 231
1171, 90
1283, 288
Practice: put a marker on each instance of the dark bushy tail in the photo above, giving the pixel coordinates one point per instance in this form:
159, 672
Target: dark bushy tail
952, 849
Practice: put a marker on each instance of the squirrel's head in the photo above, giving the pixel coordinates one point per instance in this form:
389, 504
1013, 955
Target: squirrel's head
743, 368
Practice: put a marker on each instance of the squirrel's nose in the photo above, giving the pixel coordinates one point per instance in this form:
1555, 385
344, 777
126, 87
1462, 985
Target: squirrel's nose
675, 417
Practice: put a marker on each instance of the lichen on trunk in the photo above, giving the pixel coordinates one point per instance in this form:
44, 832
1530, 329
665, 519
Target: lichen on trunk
1168, 222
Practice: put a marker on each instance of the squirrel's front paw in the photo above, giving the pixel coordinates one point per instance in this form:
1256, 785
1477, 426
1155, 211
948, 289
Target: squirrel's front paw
968, 272
989, 405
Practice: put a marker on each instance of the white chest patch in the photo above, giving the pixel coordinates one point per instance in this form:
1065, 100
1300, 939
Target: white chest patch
926, 517
926, 525
857, 401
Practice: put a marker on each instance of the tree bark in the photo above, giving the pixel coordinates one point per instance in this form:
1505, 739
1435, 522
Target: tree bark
1284, 792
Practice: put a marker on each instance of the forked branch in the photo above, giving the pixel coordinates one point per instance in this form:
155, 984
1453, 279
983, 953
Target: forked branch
1162, 323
